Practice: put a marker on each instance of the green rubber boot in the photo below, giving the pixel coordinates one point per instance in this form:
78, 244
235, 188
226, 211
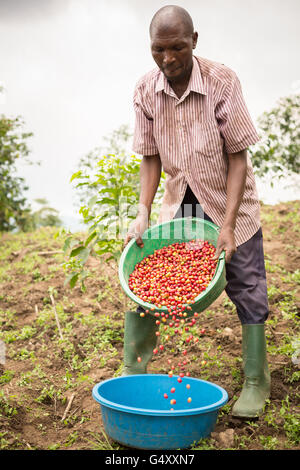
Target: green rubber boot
139, 341
257, 384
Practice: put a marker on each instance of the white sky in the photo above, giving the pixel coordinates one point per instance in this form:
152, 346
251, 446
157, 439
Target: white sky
69, 67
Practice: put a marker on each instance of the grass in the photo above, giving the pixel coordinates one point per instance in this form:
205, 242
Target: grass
100, 441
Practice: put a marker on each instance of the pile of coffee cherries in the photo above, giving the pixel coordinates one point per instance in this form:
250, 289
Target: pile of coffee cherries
172, 277
175, 275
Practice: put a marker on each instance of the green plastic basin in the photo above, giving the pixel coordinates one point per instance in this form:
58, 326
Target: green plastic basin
174, 231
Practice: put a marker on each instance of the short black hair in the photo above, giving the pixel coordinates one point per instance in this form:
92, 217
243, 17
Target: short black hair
171, 12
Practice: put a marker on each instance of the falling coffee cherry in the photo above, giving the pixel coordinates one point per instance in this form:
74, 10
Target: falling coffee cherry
139, 359
172, 277
175, 275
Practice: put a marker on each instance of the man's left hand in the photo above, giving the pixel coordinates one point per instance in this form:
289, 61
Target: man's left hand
226, 242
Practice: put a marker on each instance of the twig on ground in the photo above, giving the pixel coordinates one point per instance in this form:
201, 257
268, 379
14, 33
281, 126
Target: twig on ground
68, 407
48, 253
74, 411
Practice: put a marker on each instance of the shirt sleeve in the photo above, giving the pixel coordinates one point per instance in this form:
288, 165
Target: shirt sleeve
143, 139
235, 123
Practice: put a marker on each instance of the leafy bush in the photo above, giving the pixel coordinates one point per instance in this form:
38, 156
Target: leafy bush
13, 146
106, 214
279, 148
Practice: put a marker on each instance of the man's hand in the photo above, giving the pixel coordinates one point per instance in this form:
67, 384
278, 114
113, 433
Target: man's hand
136, 230
236, 180
226, 242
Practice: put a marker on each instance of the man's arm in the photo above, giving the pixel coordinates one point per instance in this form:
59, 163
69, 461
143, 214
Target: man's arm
150, 173
236, 178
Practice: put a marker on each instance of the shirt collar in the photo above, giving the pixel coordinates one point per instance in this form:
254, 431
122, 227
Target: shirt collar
195, 84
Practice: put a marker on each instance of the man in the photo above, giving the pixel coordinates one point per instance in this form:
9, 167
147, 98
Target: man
191, 119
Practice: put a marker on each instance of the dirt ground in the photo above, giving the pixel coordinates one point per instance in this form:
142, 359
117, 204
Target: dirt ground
44, 371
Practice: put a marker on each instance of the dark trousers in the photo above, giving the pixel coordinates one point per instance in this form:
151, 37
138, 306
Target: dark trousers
245, 273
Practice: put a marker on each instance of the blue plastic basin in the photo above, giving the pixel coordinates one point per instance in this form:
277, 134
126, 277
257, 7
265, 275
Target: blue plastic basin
136, 414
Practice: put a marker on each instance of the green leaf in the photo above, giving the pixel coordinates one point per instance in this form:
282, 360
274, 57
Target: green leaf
76, 175
77, 251
90, 237
71, 279
107, 200
82, 253
69, 243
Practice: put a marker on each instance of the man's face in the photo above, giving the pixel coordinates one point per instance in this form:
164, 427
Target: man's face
172, 50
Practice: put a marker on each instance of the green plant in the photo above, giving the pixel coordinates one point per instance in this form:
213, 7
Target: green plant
203, 444
6, 376
26, 332
54, 446
292, 277
270, 414
102, 443
36, 275
72, 438
110, 183
236, 375
13, 146
268, 442
295, 377
106, 214
69, 380
49, 394
228, 305
4, 443
116, 143
225, 410
278, 150
23, 354
285, 346
291, 422
6, 409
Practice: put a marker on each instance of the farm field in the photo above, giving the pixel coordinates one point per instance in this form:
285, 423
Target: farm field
47, 369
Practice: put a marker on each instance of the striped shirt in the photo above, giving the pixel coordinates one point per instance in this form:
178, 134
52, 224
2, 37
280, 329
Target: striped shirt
193, 136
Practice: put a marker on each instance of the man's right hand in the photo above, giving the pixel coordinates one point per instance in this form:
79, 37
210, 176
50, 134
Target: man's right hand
136, 230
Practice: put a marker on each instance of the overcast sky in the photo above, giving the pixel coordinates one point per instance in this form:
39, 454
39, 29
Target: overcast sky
69, 67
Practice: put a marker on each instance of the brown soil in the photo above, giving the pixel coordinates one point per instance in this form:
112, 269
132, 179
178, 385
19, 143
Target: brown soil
37, 424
